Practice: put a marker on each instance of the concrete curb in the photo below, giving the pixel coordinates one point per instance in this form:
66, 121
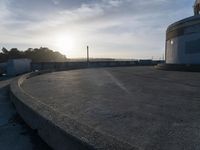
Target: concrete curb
174, 67
57, 129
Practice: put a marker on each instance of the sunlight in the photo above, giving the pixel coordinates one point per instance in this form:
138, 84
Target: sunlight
64, 43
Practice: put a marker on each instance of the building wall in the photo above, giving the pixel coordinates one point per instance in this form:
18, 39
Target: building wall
18, 66
183, 43
183, 50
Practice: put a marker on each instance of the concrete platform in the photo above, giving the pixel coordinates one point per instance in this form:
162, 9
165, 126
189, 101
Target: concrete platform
116, 108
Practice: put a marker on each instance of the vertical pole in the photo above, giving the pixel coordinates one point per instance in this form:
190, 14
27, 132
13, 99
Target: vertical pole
88, 57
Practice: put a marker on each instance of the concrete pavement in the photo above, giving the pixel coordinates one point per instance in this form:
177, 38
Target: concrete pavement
146, 108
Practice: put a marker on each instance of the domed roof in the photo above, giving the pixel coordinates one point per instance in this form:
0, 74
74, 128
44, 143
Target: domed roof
184, 23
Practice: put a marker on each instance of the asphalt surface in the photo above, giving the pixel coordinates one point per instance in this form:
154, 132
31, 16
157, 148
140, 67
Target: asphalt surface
150, 109
14, 133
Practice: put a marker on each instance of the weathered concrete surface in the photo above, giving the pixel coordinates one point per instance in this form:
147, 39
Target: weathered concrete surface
14, 133
147, 108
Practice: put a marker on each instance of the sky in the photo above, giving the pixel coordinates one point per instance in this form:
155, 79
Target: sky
132, 29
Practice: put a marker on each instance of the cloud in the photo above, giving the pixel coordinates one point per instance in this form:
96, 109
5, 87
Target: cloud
112, 27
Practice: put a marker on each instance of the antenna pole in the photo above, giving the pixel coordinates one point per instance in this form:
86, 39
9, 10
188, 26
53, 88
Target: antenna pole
88, 57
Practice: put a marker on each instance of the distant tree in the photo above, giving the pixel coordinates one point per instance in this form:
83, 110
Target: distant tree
4, 55
15, 53
42, 54
4, 50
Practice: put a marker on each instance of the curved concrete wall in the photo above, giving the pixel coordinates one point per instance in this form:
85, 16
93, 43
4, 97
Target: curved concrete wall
93, 64
57, 129
183, 42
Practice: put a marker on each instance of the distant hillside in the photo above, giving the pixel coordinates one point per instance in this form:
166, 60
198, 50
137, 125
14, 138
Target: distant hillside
42, 54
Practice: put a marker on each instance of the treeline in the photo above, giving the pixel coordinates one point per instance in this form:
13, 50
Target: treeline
42, 54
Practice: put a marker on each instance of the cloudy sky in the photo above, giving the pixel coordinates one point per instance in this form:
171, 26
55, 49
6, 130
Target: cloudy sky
112, 28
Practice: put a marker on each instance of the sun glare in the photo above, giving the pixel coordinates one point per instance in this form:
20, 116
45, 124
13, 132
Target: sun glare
64, 43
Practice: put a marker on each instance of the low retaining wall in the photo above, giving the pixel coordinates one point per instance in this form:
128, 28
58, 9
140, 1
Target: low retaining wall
94, 64
57, 129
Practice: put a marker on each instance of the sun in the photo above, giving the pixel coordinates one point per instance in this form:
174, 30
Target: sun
64, 43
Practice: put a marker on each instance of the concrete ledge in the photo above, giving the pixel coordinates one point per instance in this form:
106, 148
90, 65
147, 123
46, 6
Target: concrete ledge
56, 128
92, 64
172, 67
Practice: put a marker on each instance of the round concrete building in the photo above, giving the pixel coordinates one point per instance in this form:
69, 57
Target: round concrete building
182, 50
183, 42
